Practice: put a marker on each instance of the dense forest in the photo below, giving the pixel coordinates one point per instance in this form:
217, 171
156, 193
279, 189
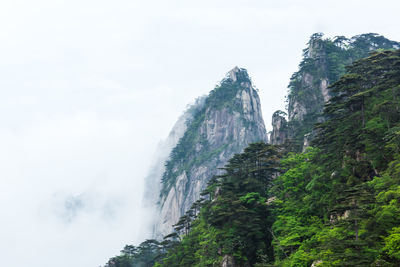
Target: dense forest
324, 62
335, 204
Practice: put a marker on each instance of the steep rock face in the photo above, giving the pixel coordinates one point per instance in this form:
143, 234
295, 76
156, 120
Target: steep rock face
228, 121
153, 184
313, 84
279, 131
324, 61
229, 261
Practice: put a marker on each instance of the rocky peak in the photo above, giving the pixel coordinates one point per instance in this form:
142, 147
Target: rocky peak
232, 74
228, 121
238, 74
153, 184
316, 47
279, 131
324, 61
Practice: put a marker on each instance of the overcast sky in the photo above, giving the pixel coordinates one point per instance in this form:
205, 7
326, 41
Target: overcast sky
89, 88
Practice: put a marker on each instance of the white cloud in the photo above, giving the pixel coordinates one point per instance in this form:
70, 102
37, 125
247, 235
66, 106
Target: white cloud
88, 88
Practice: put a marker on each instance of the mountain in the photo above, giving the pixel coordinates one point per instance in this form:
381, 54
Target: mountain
324, 62
324, 192
153, 180
335, 204
217, 127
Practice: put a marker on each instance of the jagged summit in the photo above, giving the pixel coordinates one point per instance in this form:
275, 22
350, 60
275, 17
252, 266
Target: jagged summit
232, 73
279, 128
330, 191
238, 74
229, 119
324, 61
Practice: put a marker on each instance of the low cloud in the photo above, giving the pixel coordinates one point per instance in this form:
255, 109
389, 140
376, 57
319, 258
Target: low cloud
88, 88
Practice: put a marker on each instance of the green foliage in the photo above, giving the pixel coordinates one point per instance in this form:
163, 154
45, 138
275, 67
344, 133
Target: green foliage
392, 245
224, 94
197, 248
335, 204
338, 204
325, 59
297, 216
234, 221
144, 255
186, 154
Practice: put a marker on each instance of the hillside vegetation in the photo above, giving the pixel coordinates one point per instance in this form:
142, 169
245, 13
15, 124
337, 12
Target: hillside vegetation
335, 204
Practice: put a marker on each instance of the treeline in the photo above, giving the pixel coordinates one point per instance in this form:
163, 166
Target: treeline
336, 204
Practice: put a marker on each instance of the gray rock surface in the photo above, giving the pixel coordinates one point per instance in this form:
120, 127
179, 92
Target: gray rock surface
224, 129
228, 261
153, 179
279, 131
309, 87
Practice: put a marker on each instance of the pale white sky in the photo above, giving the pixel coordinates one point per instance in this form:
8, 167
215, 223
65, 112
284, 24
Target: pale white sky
89, 88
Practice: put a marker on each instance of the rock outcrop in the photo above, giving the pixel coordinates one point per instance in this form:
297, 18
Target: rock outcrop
324, 61
228, 261
279, 131
228, 120
153, 179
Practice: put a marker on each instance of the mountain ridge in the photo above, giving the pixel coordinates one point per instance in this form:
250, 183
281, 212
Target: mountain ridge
229, 120
284, 204
324, 61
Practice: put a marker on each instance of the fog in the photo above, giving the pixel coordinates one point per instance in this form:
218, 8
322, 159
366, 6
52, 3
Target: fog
88, 89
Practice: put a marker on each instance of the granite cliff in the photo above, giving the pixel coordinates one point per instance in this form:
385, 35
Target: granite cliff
324, 62
217, 127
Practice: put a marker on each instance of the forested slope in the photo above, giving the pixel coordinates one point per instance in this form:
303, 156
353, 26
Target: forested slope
336, 204
324, 62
